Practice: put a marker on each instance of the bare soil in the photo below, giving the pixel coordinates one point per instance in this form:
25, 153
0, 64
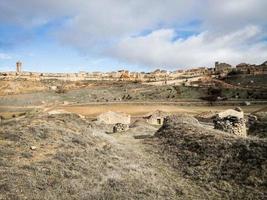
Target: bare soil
135, 109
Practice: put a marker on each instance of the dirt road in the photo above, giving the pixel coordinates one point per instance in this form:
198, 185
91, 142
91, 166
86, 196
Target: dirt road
137, 160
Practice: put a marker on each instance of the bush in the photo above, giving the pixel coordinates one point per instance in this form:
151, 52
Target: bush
61, 90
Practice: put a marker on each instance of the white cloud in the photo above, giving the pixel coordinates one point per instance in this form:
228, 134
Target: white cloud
102, 23
158, 48
232, 14
229, 29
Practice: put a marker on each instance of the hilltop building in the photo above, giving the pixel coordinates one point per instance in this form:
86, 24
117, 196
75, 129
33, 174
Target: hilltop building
222, 68
245, 68
158, 76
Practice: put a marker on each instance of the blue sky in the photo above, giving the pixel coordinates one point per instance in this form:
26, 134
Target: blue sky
108, 35
40, 51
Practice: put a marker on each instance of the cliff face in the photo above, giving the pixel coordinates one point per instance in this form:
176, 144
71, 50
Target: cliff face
230, 166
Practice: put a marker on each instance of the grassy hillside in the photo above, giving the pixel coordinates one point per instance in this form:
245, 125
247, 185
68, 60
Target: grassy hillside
230, 167
247, 80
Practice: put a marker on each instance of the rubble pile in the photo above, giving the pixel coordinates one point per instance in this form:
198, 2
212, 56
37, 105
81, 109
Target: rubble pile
252, 119
118, 128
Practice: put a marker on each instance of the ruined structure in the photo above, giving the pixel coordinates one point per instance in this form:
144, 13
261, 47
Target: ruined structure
231, 121
114, 118
156, 118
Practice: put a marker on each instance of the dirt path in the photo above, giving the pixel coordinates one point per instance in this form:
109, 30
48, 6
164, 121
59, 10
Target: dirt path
137, 160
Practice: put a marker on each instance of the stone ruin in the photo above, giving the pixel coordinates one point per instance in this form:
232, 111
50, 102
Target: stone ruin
118, 128
156, 117
231, 121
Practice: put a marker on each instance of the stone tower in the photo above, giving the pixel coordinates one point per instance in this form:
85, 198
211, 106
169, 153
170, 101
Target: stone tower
18, 66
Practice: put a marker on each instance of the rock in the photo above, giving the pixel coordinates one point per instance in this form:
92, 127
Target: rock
246, 103
81, 116
66, 103
252, 119
33, 147
54, 88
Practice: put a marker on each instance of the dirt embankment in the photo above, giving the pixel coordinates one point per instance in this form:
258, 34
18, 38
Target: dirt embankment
230, 167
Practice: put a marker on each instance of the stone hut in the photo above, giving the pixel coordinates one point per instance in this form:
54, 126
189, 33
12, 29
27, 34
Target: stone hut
231, 121
114, 118
156, 118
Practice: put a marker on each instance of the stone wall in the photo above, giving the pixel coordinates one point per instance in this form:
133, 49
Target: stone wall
231, 121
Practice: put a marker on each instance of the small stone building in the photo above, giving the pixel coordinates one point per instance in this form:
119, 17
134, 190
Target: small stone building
231, 121
114, 118
156, 118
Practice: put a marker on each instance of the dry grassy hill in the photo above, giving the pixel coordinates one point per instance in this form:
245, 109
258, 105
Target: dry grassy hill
229, 167
64, 156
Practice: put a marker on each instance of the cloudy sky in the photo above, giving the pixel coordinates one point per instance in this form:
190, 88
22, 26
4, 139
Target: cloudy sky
139, 35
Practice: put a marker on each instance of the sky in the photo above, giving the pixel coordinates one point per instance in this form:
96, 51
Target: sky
138, 35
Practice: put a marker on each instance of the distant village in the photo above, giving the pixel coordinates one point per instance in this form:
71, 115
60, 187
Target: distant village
219, 70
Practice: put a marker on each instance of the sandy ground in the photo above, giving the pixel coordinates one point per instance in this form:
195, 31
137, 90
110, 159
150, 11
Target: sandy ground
141, 109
